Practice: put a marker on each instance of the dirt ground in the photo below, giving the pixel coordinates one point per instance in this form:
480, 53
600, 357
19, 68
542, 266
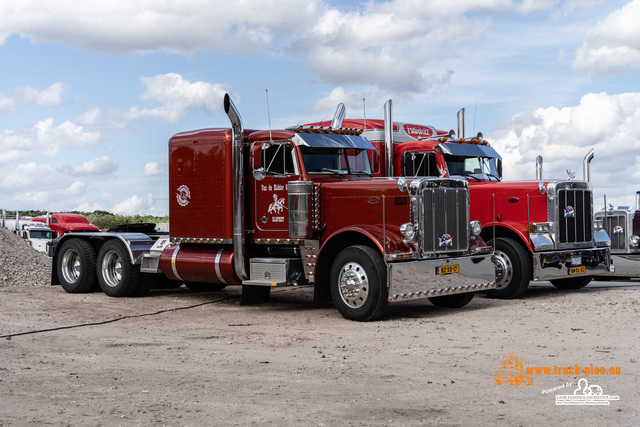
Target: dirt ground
178, 358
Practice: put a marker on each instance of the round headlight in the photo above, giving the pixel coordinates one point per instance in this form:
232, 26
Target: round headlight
408, 231
476, 228
402, 184
635, 241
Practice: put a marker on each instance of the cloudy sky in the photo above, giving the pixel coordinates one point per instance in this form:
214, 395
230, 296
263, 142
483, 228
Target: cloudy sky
90, 92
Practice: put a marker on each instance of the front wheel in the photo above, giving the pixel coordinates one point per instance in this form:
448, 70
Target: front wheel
117, 276
359, 283
513, 269
571, 282
452, 301
76, 266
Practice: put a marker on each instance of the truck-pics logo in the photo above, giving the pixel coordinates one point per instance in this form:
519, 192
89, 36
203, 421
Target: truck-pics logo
617, 230
183, 195
445, 241
511, 371
569, 212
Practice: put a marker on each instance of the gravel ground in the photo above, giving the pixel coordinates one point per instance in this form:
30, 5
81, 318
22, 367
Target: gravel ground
179, 358
20, 264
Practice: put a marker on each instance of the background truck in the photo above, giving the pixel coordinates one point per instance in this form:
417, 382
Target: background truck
622, 224
540, 230
35, 233
62, 223
307, 212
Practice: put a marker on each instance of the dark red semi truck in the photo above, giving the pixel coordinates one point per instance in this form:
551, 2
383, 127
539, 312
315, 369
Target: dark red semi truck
268, 208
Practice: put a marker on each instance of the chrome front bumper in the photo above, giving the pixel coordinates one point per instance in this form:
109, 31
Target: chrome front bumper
565, 264
625, 266
420, 279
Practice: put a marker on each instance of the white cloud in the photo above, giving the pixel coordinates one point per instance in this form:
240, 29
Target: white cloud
176, 97
613, 45
243, 26
49, 97
386, 44
7, 104
153, 169
134, 205
99, 166
610, 124
44, 138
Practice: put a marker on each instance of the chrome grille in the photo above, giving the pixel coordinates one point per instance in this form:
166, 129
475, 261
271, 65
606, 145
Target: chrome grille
574, 216
618, 240
445, 215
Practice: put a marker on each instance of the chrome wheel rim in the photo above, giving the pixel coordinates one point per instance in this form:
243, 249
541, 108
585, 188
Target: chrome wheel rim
71, 266
111, 269
504, 270
353, 284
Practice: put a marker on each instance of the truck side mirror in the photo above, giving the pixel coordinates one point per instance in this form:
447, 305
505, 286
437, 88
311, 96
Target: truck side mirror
499, 161
375, 161
259, 174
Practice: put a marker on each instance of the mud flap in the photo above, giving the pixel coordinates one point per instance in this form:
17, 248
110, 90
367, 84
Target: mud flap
254, 294
322, 296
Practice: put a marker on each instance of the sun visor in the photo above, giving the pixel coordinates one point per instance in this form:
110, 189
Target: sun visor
331, 140
469, 150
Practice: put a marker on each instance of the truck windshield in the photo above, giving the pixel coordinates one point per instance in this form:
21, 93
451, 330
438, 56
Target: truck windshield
474, 167
40, 234
340, 161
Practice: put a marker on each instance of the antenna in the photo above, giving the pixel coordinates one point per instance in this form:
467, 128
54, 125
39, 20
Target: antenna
269, 115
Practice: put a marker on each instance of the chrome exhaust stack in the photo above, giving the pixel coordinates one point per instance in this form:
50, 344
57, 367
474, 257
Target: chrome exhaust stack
539, 168
586, 172
238, 187
338, 117
388, 139
461, 123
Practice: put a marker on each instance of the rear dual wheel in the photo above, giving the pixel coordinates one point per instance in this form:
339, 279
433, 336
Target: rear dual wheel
76, 266
117, 275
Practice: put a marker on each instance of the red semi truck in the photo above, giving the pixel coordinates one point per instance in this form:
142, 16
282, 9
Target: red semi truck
540, 230
622, 223
307, 212
62, 223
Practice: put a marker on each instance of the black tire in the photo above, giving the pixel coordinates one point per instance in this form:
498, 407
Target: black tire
452, 301
608, 278
513, 269
76, 266
572, 282
204, 287
358, 283
117, 276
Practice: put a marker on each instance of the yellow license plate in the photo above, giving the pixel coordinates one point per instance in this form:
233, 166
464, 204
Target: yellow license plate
448, 269
577, 270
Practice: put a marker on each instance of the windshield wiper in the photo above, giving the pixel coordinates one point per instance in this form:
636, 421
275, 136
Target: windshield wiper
467, 173
361, 173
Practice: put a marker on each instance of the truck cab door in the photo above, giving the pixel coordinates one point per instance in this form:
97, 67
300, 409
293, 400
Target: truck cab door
274, 165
